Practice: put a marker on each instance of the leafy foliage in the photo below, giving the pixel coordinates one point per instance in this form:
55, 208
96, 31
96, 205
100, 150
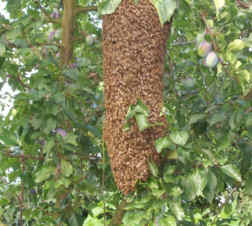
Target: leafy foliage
54, 168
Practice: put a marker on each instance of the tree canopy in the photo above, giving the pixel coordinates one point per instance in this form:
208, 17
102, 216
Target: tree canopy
54, 164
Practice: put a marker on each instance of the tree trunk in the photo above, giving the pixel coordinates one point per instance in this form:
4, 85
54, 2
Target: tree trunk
134, 47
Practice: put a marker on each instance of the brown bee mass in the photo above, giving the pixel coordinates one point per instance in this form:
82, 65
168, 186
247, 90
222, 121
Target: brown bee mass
134, 47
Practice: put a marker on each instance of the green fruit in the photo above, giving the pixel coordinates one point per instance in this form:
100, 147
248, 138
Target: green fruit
211, 59
204, 48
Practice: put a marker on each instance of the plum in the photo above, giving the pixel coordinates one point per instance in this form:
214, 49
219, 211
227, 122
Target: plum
55, 14
211, 59
90, 39
61, 132
204, 48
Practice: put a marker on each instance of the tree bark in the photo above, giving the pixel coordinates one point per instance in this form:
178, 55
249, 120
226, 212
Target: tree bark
134, 47
67, 31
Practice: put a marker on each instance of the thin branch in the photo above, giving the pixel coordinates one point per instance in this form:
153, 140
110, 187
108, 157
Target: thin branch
209, 31
183, 43
21, 156
21, 82
25, 86
243, 5
46, 14
81, 9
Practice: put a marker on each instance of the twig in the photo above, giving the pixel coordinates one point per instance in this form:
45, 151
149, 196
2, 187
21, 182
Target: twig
183, 43
209, 31
21, 82
22, 156
81, 9
243, 5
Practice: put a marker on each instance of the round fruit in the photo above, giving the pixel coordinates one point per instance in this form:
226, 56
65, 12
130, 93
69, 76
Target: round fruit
51, 35
55, 14
211, 59
90, 39
61, 132
204, 48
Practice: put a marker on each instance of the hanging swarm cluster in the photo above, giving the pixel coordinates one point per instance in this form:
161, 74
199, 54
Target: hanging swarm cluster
134, 46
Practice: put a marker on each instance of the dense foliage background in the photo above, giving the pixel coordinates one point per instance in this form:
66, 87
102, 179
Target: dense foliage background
54, 169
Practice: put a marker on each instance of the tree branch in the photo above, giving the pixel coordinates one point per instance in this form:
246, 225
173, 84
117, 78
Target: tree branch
80, 9
21, 156
183, 43
117, 218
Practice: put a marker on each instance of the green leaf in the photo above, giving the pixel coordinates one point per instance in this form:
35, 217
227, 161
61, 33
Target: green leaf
44, 173
93, 221
2, 59
108, 6
2, 49
167, 221
219, 4
98, 211
139, 108
232, 121
140, 111
237, 44
131, 112
153, 168
194, 184
50, 125
165, 9
211, 186
195, 118
248, 185
8, 140
49, 145
179, 137
231, 171
13, 6
217, 117
70, 138
169, 173
36, 122
142, 122
162, 143
73, 221
66, 168
177, 210
175, 192
249, 120
133, 218
139, 204
62, 182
